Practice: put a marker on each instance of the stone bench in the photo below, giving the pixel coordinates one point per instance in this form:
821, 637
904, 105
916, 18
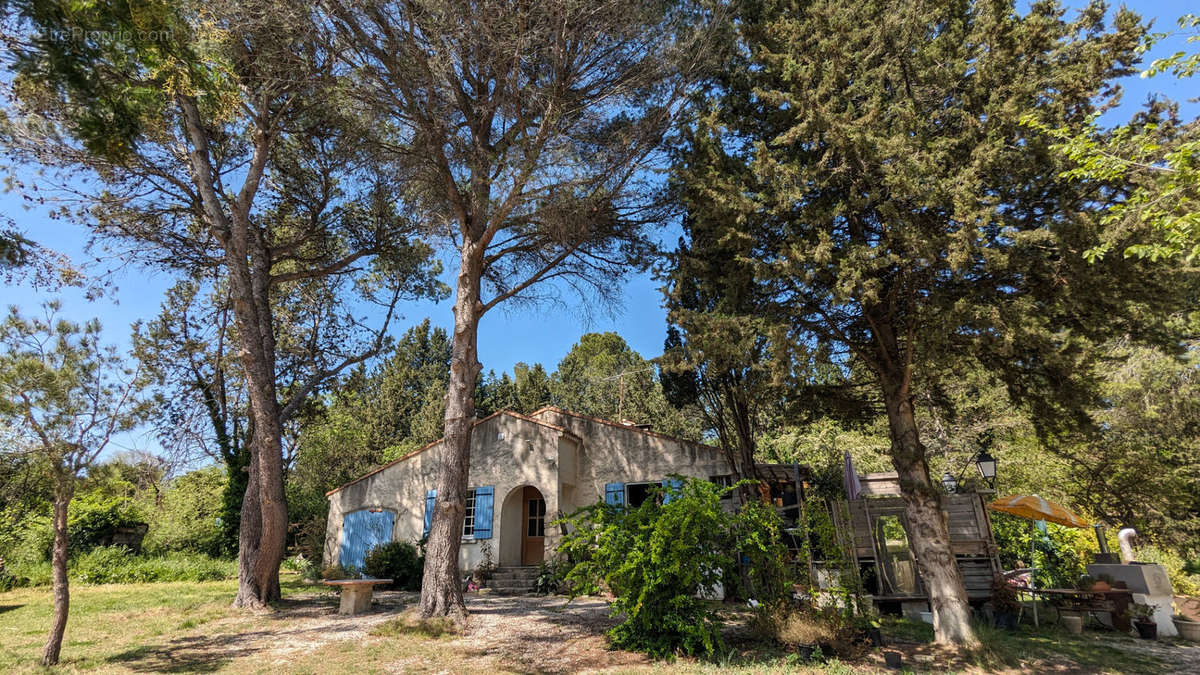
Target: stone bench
356, 593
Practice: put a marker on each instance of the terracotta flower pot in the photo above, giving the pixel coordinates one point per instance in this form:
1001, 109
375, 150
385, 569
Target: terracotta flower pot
1188, 630
1101, 586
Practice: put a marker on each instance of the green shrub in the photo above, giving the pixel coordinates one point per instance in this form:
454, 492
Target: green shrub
26, 572
552, 577
335, 572
116, 565
658, 558
93, 518
399, 561
185, 517
1183, 579
1060, 554
310, 570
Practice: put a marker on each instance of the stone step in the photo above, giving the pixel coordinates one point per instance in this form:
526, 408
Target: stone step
511, 589
505, 583
513, 580
515, 573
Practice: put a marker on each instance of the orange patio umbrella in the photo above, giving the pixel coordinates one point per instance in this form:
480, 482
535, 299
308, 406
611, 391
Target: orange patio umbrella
1034, 507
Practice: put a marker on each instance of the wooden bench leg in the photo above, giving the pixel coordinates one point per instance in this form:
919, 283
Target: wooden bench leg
355, 600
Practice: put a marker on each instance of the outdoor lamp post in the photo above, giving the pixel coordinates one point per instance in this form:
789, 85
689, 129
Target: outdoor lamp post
949, 482
987, 467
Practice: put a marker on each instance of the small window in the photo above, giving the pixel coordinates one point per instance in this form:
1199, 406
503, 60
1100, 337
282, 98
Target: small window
723, 481
638, 493
537, 517
469, 520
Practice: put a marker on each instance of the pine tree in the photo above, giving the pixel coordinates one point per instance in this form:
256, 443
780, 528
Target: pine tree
899, 216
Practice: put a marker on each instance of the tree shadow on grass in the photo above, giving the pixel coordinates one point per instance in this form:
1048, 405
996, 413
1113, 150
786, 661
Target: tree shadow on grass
9, 608
211, 652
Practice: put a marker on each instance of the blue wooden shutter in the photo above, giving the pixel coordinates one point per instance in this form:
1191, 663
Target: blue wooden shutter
430, 498
614, 493
379, 529
362, 531
483, 512
352, 548
673, 488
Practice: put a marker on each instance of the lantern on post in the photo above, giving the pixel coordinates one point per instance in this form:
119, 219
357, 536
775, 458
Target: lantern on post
949, 482
987, 467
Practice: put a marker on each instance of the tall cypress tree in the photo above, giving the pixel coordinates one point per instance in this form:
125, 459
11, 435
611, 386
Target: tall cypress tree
896, 212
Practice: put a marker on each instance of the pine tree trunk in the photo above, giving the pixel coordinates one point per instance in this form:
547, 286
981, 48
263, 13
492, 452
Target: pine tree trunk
251, 593
927, 527
441, 585
63, 491
262, 546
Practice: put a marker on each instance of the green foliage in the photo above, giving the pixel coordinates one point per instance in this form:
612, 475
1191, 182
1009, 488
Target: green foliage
1156, 159
820, 446
27, 572
92, 519
335, 572
136, 36
1060, 555
527, 390
403, 398
1185, 578
1181, 64
552, 576
399, 561
1148, 421
186, 351
185, 519
603, 377
658, 558
901, 222
116, 565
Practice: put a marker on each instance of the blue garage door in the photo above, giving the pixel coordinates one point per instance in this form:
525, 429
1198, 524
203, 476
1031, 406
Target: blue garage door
361, 532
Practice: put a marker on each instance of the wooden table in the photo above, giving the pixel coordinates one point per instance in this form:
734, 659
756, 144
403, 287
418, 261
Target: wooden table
356, 593
1115, 602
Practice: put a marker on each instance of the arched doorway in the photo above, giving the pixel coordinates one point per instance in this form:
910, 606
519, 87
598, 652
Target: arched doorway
523, 523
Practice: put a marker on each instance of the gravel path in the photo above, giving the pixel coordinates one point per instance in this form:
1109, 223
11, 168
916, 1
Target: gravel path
544, 634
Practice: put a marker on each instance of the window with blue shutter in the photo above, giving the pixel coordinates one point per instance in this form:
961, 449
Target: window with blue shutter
483, 512
362, 531
673, 487
430, 498
614, 493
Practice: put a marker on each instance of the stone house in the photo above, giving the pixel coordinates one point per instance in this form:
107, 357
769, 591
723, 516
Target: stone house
526, 470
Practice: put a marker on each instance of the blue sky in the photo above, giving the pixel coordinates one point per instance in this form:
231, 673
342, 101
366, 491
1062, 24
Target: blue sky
507, 335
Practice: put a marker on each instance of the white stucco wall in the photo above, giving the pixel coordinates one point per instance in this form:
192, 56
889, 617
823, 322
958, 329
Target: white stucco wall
615, 453
518, 453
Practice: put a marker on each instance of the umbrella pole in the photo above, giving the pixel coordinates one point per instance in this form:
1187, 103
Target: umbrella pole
1033, 579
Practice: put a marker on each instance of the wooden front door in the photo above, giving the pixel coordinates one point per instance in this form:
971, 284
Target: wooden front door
533, 532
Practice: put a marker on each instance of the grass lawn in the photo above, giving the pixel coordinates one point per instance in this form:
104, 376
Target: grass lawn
189, 627
1051, 648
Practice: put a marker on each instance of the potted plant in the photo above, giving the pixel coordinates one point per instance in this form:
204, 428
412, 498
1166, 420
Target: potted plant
1103, 583
1085, 583
1143, 621
1188, 629
870, 625
1005, 606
